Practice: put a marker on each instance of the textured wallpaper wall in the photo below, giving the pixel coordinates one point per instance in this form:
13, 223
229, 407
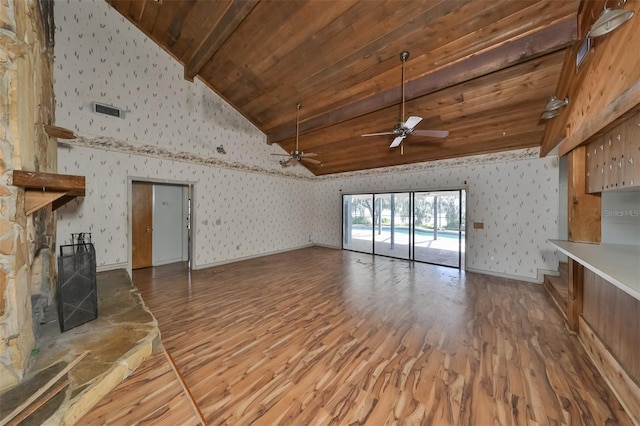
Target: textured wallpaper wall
257, 213
516, 200
101, 57
171, 129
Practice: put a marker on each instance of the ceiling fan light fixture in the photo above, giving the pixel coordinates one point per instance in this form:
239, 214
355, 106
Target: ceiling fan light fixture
609, 20
297, 155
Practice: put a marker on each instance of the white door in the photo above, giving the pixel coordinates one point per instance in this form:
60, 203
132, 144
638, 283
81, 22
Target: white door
169, 225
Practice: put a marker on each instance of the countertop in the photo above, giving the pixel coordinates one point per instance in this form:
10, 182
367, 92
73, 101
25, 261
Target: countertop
619, 264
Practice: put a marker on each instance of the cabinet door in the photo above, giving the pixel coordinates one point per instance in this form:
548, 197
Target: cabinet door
606, 161
631, 152
615, 161
595, 169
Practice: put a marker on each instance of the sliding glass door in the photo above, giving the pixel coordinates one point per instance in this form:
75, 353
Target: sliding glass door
425, 226
392, 225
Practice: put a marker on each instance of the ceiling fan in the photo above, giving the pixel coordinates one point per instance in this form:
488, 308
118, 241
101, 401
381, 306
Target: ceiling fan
298, 155
408, 127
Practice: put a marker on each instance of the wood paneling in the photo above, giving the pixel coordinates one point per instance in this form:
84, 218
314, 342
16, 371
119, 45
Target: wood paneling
474, 66
340, 59
329, 336
613, 315
585, 215
625, 388
605, 88
575, 294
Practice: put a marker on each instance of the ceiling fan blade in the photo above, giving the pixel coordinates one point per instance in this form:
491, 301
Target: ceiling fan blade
282, 155
397, 141
412, 122
431, 133
308, 154
289, 162
310, 160
379, 134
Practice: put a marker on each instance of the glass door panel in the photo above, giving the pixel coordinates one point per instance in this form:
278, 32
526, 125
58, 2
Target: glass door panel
357, 222
392, 225
437, 231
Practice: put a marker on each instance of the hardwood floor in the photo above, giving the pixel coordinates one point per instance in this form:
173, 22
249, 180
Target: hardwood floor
320, 336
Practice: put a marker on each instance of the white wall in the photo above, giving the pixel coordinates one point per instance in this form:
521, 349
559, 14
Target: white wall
621, 217
516, 200
563, 205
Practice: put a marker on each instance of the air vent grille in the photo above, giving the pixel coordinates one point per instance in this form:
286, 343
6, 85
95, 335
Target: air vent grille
108, 110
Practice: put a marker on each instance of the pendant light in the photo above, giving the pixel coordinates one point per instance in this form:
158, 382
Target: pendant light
609, 20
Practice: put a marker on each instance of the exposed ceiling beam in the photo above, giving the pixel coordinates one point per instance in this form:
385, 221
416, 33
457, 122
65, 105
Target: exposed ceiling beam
229, 21
555, 36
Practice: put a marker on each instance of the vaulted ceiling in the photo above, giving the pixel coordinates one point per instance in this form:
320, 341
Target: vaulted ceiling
481, 69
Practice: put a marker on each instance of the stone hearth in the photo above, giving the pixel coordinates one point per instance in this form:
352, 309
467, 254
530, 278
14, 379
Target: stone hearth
123, 335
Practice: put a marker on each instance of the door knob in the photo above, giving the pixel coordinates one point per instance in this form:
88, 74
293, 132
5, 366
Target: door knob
149, 229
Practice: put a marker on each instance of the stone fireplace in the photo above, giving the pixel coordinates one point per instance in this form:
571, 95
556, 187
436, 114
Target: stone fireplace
27, 242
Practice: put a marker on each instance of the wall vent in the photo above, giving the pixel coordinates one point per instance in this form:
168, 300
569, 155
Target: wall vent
108, 110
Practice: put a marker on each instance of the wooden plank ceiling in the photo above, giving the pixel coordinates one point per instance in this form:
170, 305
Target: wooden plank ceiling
481, 69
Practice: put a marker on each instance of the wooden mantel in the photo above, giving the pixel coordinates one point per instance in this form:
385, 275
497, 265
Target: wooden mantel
42, 189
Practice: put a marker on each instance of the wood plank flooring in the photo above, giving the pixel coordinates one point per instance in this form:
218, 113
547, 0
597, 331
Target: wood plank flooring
321, 336
152, 395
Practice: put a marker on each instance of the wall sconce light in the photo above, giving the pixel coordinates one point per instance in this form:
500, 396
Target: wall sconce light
609, 20
221, 150
553, 107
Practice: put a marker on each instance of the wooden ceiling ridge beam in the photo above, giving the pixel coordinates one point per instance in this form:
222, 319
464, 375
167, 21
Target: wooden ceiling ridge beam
237, 11
548, 39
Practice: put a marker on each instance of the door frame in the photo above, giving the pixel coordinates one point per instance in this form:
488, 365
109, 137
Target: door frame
191, 241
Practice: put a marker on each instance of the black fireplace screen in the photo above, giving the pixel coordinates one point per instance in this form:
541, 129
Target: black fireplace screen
77, 292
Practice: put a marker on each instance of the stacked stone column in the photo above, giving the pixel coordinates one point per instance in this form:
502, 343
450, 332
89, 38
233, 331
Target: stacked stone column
26, 105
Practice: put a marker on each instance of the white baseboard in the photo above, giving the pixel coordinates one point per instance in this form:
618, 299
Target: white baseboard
543, 272
240, 259
328, 246
111, 267
166, 262
536, 280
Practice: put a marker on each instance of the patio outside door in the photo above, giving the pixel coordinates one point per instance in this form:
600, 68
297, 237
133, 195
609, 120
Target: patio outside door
425, 226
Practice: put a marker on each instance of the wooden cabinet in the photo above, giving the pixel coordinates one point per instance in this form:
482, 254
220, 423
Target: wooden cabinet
613, 159
631, 152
